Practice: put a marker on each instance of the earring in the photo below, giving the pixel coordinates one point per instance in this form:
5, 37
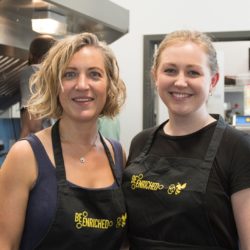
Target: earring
210, 93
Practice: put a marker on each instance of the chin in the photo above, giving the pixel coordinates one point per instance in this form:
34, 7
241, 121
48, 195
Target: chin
180, 112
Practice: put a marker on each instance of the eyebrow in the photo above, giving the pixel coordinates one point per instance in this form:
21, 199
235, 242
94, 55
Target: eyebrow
194, 65
97, 68
175, 65
71, 68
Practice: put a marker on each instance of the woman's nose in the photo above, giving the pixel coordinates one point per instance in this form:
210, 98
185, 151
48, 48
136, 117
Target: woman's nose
82, 82
181, 80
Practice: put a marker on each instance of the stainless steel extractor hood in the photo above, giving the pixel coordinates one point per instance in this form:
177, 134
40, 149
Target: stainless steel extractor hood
102, 17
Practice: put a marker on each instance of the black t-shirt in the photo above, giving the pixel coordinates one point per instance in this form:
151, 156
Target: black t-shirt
230, 172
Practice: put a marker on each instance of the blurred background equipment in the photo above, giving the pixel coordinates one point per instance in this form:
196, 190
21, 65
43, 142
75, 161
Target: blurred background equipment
22, 20
74, 16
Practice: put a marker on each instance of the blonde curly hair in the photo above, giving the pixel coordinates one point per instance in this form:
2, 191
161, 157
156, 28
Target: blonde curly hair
46, 83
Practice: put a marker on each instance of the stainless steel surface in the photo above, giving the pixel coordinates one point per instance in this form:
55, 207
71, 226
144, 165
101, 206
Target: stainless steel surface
106, 19
102, 17
12, 61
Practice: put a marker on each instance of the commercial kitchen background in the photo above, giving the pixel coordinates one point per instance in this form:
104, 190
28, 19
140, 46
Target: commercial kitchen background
163, 16
158, 17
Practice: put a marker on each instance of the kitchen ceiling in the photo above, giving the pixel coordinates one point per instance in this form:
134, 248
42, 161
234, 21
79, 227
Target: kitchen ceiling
102, 17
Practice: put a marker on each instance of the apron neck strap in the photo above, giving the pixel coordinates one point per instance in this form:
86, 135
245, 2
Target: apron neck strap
111, 162
213, 147
216, 139
57, 150
149, 143
59, 161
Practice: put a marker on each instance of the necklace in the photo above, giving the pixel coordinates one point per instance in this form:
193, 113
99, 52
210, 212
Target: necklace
83, 157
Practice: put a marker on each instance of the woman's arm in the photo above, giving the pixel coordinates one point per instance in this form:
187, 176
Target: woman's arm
241, 208
17, 177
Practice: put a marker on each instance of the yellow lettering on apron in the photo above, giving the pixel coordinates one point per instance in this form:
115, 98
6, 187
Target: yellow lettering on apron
82, 220
137, 182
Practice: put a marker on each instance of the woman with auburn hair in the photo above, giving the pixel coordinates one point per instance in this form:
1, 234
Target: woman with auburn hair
187, 181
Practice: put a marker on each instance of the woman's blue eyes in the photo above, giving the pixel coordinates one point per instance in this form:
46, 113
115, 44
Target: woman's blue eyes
170, 71
95, 75
173, 72
193, 73
70, 75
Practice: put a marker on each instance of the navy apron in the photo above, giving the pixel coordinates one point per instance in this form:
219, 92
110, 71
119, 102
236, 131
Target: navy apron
85, 219
165, 199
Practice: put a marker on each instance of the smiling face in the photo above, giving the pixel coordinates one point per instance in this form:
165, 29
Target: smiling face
84, 85
183, 79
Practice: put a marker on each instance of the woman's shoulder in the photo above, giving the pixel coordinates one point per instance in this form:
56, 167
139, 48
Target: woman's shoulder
143, 135
21, 154
138, 142
234, 158
20, 163
20, 151
236, 137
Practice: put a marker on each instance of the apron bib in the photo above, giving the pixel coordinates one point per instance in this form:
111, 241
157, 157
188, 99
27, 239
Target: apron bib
166, 199
85, 219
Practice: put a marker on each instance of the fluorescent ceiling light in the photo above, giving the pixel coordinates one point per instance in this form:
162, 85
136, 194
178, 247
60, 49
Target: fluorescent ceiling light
49, 22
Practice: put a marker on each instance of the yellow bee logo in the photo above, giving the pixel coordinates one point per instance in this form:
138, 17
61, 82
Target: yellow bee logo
180, 187
176, 189
121, 221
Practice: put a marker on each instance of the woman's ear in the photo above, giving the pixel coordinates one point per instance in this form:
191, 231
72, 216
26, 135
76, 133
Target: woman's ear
214, 80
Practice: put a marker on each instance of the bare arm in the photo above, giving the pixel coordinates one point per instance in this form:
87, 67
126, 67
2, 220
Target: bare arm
17, 176
241, 209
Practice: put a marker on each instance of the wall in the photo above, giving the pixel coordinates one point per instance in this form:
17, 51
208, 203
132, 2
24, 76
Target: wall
159, 17
236, 56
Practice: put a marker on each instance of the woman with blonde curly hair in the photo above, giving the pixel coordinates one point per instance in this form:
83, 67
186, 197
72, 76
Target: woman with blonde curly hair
61, 187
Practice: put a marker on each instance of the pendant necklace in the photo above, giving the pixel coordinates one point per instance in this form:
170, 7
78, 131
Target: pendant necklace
82, 158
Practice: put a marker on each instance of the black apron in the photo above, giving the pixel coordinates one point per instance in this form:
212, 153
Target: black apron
85, 219
166, 199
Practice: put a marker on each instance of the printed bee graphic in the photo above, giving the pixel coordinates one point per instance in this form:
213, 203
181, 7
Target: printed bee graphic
121, 221
179, 187
176, 189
